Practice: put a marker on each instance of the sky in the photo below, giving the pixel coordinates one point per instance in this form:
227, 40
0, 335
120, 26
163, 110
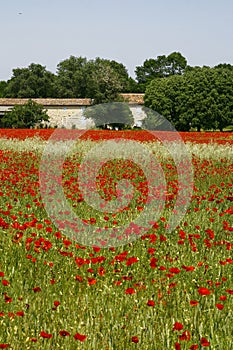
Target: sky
127, 31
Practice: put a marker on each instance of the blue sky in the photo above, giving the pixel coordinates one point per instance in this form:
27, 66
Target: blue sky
128, 31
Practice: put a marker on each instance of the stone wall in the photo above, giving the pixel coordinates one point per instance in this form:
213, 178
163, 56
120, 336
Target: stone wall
70, 117
68, 113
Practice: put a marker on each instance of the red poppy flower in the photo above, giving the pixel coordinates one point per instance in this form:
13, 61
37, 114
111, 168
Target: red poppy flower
177, 326
151, 303
57, 235
151, 251
96, 249
34, 340
188, 268
117, 283
172, 285
80, 337
219, 306
64, 333
7, 298
185, 336
193, 302
90, 270
78, 278
153, 263
194, 347
91, 281
162, 238
56, 303
2, 274
174, 270
45, 335
19, 313
230, 291
5, 282
204, 291
36, 289
4, 346
223, 297
101, 271
92, 221
204, 342
135, 339
177, 346
130, 291
131, 260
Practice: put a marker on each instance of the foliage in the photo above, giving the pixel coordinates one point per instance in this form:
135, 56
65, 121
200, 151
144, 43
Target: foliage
32, 82
3, 85
110, 115
189, 97
71, 80
161, 67
103, 81
24, 116
99, 79
202, 98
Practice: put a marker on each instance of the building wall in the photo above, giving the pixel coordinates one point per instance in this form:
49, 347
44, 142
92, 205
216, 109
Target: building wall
69, 117
68, 113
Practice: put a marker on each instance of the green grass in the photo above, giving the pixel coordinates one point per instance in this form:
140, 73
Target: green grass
103, 311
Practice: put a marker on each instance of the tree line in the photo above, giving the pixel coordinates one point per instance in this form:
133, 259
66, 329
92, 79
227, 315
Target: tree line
189, 97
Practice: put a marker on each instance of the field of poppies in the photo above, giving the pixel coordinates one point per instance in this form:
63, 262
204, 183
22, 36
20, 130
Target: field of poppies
149, 288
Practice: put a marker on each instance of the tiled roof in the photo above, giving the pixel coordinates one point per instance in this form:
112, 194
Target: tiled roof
130, 98
47, 101
134, 98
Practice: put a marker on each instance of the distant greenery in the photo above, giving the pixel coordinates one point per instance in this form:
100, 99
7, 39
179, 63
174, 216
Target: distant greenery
202, 98
161, 67
24, 116
188, 97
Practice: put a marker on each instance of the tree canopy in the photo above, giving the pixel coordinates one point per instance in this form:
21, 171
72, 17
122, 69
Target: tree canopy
32, 82
3, 85
100, 79
160, 67
188, 97
201, 98
24, 116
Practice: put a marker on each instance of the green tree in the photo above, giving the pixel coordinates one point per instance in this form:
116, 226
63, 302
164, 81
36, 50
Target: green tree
110, 115
202, 98
225, 66
209, 97
25, 116
122, 74
32, 82
133, 86
103, 82
99, 79
162, 97
161, 67
71, 77
3, 85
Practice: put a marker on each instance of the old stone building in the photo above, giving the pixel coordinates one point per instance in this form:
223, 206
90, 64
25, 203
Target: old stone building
68, 113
